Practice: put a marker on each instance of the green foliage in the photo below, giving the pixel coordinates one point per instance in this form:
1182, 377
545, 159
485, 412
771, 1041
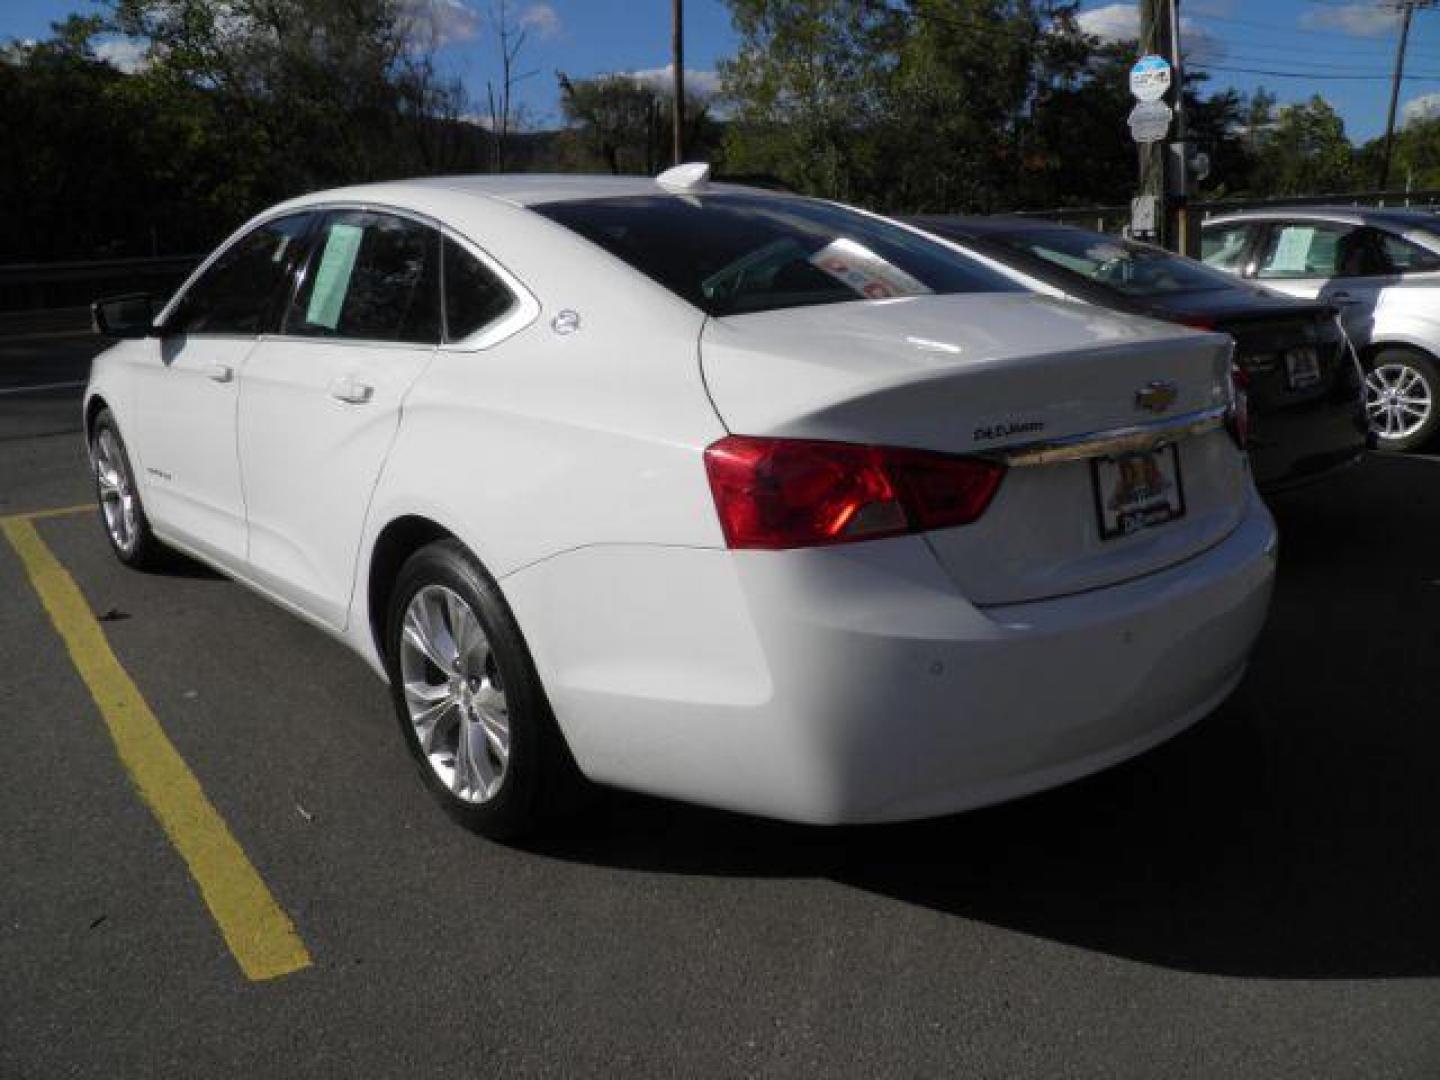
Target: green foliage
620, 124
1300, 149
241, 103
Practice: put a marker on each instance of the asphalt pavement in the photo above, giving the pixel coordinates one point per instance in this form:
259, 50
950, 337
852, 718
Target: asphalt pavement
1257, 898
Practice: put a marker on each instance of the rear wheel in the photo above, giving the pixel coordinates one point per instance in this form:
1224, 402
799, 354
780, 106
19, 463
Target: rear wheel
470, 705
121, 511
1400, 398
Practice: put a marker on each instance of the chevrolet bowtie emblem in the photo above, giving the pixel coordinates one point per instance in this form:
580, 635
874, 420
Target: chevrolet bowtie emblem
1156, 396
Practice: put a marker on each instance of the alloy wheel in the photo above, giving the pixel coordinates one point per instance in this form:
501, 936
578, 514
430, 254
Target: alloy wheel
117, 491
1398, 400
454, 695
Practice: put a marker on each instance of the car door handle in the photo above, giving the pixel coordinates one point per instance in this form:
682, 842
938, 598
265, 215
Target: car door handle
220, 372
351, 390
1345, 298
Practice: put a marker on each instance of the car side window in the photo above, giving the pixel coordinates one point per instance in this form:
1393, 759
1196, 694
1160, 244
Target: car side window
1224, 247
238, 292
371, 277
1313, 250
474, 296
1407, 258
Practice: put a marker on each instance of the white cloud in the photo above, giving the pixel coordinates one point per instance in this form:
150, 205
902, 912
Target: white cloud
127, 54
1121, 22
542, 19
1417, 110
702, 84
1360, 19
438, 23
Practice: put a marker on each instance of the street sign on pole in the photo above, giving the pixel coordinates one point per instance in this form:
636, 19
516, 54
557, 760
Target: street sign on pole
1142, 215
1150, 78
1149, 121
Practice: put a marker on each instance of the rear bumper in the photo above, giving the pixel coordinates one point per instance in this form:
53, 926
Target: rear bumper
1294, 445
855, 685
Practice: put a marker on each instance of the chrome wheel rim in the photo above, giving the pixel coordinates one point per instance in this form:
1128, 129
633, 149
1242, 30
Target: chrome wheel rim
117, 491
1398, 400
454, 695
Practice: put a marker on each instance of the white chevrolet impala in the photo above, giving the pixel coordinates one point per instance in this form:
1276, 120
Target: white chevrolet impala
730, 496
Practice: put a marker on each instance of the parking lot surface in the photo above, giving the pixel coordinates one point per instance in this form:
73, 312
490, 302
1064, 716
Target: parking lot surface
1259, 897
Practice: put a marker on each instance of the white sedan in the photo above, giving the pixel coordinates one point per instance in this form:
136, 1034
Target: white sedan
741, 498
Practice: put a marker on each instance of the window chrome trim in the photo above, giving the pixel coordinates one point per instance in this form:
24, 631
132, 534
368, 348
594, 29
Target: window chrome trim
525, 310
1125, 440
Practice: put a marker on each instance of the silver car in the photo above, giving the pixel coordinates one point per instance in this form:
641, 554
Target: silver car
1381, 269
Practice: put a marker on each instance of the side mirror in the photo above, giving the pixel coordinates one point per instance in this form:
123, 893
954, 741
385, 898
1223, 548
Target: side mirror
129, 316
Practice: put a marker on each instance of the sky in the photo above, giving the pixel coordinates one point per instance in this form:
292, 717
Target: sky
1342, 49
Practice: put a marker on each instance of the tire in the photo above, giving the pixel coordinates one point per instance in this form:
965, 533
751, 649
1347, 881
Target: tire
1402, 398
470, 705
121, 512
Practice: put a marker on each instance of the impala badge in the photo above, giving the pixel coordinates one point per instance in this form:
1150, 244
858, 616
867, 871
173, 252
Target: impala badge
1156, 396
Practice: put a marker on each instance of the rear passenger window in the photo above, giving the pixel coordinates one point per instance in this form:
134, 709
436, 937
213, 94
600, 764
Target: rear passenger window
372, 277
1407, 258
474, 296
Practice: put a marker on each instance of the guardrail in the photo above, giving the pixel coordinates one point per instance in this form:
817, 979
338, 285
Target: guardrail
35, 287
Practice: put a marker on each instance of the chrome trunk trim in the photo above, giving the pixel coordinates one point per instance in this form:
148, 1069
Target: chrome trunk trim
1127, 440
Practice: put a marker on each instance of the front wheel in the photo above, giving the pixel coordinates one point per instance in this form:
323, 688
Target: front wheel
470, 704
121, 511
1400, 391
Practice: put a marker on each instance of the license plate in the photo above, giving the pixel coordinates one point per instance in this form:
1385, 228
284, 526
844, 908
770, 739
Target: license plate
1138, 491
1302, 367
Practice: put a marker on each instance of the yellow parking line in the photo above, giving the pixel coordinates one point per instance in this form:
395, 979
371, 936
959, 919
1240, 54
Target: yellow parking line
56, 511
260, 934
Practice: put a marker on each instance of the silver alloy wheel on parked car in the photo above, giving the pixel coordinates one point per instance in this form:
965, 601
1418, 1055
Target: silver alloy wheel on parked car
117, 490
454, 695
1398, 400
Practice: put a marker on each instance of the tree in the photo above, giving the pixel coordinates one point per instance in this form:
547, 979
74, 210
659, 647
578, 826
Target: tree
1301, 150
623, 123
808, 88
499, 96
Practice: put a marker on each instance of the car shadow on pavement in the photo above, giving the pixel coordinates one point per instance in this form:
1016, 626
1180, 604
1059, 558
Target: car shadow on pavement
1292, 834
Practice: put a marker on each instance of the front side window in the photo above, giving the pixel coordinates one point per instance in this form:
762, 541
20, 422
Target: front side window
238, 292
474, 296
371, 277
733, 254
1223, 247
1315, 250
1130, 268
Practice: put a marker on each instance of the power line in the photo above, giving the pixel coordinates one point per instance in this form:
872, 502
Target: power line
1408, 76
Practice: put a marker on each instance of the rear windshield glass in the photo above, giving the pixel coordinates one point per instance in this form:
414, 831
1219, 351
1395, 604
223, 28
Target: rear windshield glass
732, 254
1130, 268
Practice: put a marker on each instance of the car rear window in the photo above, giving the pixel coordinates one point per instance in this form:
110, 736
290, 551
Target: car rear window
733, 254
1130, 268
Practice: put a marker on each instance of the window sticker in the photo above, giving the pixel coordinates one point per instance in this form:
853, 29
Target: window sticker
332, 280
864, 271
1292, 253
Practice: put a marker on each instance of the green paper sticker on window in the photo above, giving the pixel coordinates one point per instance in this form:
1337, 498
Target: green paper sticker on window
332, 280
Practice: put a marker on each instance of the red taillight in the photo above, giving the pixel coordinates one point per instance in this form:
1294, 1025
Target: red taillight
787, 493
1237, 419
1198, 322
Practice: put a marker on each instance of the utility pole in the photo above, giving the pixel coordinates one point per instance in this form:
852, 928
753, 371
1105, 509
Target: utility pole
677, 63
1179, 234
1155, 34
1407, 12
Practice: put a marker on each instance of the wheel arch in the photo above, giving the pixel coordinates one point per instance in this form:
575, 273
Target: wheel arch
395, 543
94, 406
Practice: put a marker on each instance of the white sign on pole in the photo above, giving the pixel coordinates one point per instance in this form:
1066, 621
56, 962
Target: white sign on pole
1142, 215
1149, 121
1150, 78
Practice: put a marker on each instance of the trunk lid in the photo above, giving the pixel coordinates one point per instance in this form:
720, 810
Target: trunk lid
983, 374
